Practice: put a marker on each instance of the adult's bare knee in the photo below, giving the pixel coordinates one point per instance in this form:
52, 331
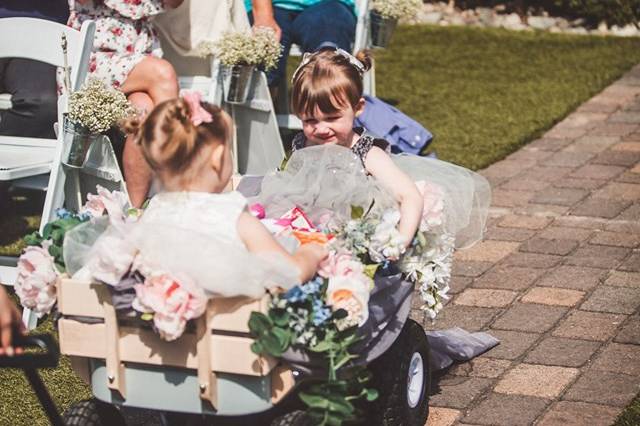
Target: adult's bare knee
165, 75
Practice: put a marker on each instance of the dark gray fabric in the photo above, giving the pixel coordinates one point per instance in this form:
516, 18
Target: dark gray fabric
456, 344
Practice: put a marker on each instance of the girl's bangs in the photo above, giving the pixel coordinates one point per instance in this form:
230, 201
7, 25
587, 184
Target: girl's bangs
329, 98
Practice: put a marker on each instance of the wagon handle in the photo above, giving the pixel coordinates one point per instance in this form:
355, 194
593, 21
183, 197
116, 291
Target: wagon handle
47, 356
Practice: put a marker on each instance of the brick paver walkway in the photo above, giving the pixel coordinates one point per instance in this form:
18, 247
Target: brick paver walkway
557, 279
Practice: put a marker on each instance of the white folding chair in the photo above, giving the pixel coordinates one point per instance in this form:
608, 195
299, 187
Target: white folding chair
26, 161
361, 42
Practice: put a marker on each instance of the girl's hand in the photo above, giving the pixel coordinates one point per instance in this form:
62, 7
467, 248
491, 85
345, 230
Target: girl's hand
10, 322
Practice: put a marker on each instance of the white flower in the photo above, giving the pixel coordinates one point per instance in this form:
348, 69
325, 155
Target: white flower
387, 242
35, 283
97, 106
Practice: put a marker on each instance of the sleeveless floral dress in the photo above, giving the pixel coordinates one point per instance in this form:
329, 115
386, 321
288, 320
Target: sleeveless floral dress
124, 35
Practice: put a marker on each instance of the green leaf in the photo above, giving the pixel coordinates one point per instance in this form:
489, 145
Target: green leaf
370, 270
283, 336
257, 348
33, 239
57, 235
46, 232
338, 404
280, 317
322, 346
272, 345
147, 316
372, 394
314, 401
356, 212
259, 323
55, 251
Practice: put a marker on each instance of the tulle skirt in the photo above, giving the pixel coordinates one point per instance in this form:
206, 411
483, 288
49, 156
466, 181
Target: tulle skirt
330, 178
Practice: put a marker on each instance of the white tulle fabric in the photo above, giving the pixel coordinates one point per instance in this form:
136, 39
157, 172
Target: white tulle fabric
320, 179
331, 177
185, 233
467, 195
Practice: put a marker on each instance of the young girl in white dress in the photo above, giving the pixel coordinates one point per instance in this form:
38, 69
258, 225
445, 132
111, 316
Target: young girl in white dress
186, 143
327, 96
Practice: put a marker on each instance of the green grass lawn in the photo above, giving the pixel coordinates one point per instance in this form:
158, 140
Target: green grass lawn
482, 93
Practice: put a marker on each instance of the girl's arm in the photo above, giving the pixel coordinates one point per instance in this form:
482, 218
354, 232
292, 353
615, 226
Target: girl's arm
382, 167
258, 239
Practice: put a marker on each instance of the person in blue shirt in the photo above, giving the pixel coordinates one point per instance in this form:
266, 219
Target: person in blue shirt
310, 24
32, 84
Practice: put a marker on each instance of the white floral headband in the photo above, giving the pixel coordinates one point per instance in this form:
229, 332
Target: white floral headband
353, 61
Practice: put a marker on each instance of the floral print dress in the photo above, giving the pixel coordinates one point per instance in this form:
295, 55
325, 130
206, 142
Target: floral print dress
124, 35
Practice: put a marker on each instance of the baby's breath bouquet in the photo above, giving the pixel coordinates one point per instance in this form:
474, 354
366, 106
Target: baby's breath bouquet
396, 9
97, 107
258, 48
93, 110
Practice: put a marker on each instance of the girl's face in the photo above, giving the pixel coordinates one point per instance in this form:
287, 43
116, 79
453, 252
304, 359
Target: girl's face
336, 127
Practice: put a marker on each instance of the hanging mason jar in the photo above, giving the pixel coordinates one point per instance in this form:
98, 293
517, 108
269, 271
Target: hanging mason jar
382, 29
236, 80
76, 143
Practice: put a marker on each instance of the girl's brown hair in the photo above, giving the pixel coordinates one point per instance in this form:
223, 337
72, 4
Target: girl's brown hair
329, 82
170, 142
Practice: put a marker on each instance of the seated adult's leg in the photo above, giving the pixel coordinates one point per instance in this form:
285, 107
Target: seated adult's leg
329, 21
153, 76
149, 83
137, 173
32, 85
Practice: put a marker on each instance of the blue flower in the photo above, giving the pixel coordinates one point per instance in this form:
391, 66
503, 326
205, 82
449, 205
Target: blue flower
294, 295
321, 312
313, 286
63, 213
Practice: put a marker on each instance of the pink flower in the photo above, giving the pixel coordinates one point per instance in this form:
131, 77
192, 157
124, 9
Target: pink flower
433, 210
350, 293
115, 203
35, 284
340, 263
173, 301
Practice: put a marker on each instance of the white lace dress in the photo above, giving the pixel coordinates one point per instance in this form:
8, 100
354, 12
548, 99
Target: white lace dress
192, 234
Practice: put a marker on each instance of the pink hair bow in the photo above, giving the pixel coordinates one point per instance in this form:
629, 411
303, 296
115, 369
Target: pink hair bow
197, 114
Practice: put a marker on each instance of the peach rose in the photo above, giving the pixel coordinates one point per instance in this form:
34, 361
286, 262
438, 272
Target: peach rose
173, 302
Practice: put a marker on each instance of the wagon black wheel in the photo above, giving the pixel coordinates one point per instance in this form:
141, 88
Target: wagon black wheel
93, 412
402, 377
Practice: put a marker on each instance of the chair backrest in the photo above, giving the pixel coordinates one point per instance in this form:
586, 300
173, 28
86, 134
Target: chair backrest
79, 46
41, 40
